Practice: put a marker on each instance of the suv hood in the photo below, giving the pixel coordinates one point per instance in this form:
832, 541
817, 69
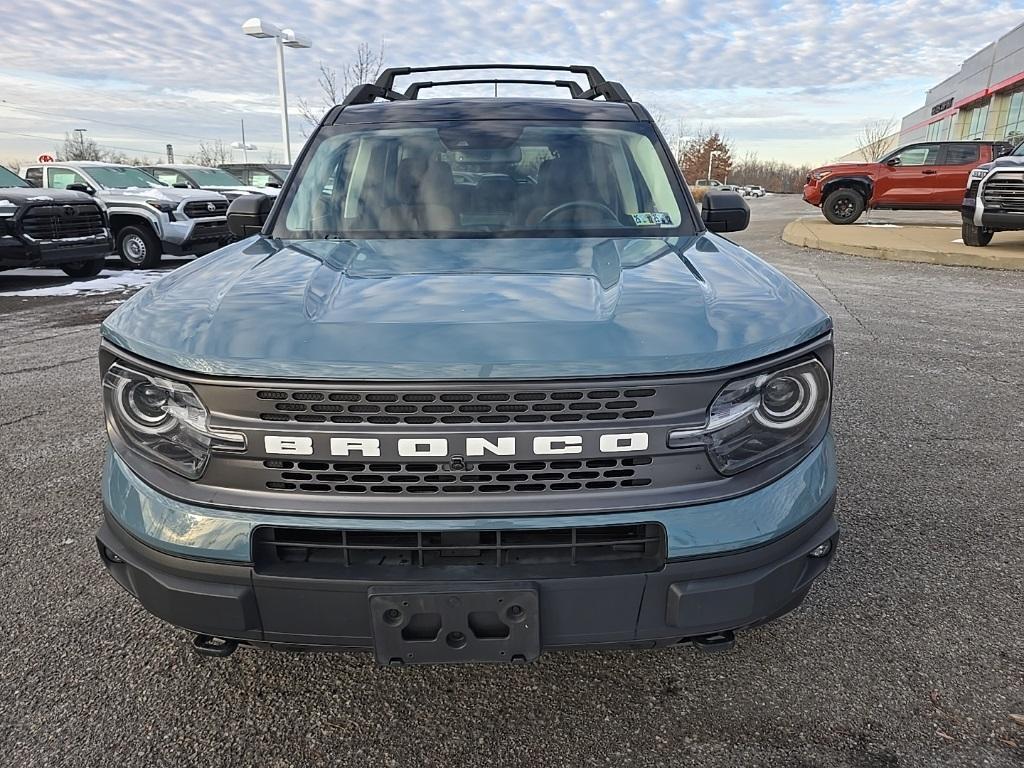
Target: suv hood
19, 196
466, 309
1007, 161
170, 194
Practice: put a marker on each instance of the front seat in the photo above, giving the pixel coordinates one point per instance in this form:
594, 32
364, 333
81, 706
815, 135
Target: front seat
425, 190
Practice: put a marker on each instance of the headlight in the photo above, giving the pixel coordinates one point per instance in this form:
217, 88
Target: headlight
761, 417
164, 420
978, 173
819, 175
162, 205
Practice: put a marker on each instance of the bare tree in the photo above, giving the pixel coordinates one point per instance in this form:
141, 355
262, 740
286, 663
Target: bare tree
333, 83
212, 154
14, 164
78, 147
876, 138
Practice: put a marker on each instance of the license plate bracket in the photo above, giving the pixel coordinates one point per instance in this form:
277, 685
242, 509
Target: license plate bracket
452, 624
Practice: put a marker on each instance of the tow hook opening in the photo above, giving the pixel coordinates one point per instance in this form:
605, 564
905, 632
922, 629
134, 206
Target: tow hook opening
216, 647
719, 642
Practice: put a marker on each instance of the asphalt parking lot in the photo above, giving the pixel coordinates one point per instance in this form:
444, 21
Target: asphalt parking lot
909, 652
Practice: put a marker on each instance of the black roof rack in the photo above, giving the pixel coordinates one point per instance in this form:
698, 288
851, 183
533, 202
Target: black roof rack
574, 88
384, 86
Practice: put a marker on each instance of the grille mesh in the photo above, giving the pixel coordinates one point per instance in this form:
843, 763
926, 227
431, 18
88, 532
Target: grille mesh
323, 477
528, 407
1005, 192
201, 209
51, 222
316, 553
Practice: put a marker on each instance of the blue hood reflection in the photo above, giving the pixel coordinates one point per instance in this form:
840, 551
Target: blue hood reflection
464, 309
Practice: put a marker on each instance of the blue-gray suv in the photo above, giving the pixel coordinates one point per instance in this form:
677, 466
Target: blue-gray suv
483, 381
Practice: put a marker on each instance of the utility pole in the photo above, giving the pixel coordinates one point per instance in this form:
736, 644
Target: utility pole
170, 154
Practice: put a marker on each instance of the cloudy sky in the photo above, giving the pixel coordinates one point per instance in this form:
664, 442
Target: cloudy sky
789, 80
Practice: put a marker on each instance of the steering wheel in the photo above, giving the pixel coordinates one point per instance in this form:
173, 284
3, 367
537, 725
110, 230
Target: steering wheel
589, 205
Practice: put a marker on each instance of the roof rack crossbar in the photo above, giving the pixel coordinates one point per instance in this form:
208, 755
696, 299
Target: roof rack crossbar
387, 77
574, 88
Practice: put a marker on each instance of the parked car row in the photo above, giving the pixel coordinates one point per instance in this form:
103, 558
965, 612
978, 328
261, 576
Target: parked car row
73, 214
984, 180
747, 190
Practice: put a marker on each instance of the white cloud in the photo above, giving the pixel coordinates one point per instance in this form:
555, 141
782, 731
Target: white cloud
185, 68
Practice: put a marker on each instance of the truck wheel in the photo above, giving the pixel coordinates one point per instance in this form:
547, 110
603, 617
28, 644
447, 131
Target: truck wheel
843, 206
83, 268
138, 248
975, 235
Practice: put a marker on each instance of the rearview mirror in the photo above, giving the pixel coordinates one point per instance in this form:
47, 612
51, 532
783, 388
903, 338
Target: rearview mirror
80, 187
248, 213
724, 211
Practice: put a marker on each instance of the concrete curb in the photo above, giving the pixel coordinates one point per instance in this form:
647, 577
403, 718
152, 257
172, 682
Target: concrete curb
929, 245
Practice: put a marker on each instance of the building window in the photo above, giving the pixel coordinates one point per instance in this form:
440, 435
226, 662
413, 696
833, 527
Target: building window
972, 122
939, 130
1012, 125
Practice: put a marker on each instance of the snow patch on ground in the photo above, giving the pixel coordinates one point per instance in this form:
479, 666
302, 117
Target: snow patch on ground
890, 226
958, 241
106, 282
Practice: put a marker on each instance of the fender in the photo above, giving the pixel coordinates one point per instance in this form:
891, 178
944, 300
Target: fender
863, 183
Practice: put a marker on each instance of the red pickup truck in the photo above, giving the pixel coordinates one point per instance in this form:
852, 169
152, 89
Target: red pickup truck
927, 176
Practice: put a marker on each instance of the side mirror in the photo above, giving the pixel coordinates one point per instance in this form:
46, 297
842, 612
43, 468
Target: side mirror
80, 187
724, 211
894, 161
183, 185
248, 213
274, 184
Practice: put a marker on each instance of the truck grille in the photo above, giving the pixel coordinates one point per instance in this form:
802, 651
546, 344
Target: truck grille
200, 209
1004, 192
593, 550
322, 477
490, 407
62, 222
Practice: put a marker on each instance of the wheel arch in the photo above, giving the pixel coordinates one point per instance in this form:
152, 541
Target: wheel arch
862, 184
121, 219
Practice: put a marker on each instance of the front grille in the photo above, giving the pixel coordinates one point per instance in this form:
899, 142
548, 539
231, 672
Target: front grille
62, 222
580, 475
201, 209
489, 407
510, 553
1004, 192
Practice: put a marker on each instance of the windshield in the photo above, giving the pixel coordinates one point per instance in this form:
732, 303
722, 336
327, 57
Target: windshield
213, 177
10, 179
484, 179
122, 177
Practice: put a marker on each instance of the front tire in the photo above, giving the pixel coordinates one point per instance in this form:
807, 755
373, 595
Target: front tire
83, 268
843, 206
138, 248
975, 235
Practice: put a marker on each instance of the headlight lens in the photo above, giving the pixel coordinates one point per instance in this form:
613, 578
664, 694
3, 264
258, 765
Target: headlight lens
760, 417
819, 175
164, 420
978, 173
161, 205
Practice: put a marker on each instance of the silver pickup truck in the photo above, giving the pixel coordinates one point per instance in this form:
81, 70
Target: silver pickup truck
147, 217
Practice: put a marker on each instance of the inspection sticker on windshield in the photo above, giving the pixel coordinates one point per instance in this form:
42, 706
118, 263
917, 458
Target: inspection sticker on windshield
648, 219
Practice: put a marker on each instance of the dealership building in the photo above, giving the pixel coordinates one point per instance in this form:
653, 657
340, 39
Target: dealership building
984, 100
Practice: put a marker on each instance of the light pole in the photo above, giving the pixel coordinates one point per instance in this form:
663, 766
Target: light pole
243, 144
711, 157
258, 28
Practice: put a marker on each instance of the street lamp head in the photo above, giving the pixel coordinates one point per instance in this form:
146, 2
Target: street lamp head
256, 27
293, 39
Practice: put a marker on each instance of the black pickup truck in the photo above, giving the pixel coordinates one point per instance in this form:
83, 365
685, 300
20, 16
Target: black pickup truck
50, 228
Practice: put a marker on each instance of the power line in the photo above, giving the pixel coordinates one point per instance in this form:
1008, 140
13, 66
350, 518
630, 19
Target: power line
161, 133
103, 146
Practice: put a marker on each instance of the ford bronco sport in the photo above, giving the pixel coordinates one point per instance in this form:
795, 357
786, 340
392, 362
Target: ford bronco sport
994, 199
926, 176
50, 228
482, 382
148, 218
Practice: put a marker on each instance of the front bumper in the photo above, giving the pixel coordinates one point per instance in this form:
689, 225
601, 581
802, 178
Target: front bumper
719, 576
812, 194
194, 236
18, 252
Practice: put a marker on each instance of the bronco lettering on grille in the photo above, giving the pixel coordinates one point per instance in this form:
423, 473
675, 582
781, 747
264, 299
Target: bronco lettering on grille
546, 445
